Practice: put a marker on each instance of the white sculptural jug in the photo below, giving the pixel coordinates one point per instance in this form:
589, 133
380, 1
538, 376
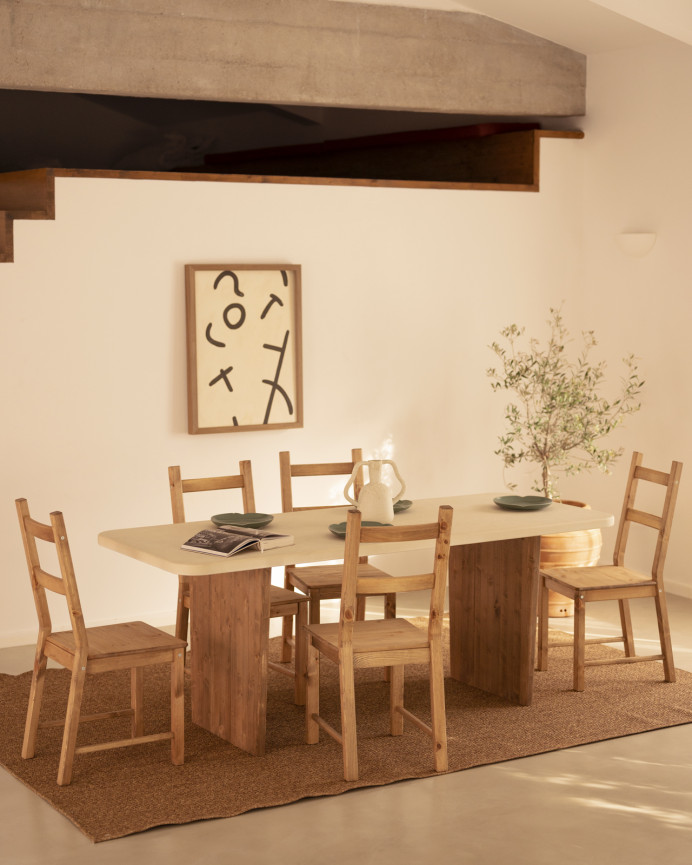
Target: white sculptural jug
375, 501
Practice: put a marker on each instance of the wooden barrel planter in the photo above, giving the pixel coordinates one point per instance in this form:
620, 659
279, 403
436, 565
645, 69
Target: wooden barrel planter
569, 550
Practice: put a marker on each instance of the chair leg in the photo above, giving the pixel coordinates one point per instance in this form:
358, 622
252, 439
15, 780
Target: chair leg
287, 631
579, 642
182, 616
314, 609
626, 622
396, 699
312, 695
301, 654
543, 623
286, 639
360, 608
178, 708
38, 680
664, 634
137, 700
389, 613
437, 708
349, 740
74, 703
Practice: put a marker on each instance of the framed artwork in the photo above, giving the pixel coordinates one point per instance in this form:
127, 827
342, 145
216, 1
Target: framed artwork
244, 362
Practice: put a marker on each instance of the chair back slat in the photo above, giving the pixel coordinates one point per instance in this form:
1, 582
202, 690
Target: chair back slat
311, 470
179, 486
352, 585
644, 519
660, 523
42, 580
39, 530
198, 485
387, 585
50, 582
289, 470
651, 475
376, 534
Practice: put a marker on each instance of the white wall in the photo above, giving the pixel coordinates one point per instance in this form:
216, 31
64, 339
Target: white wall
638, 177
403, 290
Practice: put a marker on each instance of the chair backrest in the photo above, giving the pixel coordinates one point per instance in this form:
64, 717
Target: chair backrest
353, 585
661, 523
42, 580
289, 470
241, 481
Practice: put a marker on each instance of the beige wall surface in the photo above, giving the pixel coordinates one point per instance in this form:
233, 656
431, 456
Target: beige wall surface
403, 290
638, 178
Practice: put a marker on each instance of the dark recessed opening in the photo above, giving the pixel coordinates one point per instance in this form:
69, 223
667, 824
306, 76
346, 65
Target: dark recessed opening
86, 131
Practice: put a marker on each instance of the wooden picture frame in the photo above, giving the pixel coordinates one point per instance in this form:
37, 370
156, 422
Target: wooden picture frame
244, 347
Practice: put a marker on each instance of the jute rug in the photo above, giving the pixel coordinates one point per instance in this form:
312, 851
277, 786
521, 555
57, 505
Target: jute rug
120, 792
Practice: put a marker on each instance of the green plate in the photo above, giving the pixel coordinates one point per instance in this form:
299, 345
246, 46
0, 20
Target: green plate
339, 529
522, 503
250, 521
402, 505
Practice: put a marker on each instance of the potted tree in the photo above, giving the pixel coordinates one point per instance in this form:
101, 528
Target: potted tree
558, 420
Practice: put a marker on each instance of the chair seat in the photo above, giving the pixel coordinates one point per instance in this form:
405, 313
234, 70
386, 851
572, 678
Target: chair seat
370, 636
320, 577
126, 638
597, 577
279, 597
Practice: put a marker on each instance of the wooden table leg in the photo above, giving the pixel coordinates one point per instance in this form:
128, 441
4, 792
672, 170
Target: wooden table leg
493, 596
229, 634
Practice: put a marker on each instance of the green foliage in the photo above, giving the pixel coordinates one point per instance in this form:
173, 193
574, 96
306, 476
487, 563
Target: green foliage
559, 417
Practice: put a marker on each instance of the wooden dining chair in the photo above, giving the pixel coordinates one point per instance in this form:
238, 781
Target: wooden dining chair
286, 604
83, 651
391, 643
617, 581
322, 582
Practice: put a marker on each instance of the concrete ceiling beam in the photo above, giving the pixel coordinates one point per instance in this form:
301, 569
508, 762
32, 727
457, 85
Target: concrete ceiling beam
291, 52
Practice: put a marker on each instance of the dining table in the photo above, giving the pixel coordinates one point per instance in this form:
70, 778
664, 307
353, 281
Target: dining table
493, 597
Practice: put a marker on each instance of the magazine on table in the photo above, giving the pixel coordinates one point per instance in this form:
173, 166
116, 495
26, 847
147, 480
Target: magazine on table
229, 540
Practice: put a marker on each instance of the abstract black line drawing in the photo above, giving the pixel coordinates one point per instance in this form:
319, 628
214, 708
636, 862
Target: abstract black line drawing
241, 316
244, 356
273, 299
223, 376
211, 339
274, 383
236, 284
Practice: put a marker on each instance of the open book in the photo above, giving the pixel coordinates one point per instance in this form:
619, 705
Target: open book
229, 540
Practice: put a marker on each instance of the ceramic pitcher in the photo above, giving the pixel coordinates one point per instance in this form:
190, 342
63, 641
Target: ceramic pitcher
375, 501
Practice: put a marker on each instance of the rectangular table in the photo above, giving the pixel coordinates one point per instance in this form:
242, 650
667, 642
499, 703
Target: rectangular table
493, 590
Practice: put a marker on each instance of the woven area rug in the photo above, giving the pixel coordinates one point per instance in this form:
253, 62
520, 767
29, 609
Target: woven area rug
120, 792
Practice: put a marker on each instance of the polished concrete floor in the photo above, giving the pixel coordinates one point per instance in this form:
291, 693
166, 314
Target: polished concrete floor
626, 800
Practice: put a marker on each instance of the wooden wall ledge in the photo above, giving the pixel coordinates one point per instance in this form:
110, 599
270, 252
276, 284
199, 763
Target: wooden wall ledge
509, 162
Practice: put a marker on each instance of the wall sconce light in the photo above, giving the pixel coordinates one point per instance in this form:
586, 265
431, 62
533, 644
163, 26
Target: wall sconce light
636, 244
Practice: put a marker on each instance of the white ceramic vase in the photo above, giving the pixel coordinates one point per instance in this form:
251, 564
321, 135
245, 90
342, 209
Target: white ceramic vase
375, 501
